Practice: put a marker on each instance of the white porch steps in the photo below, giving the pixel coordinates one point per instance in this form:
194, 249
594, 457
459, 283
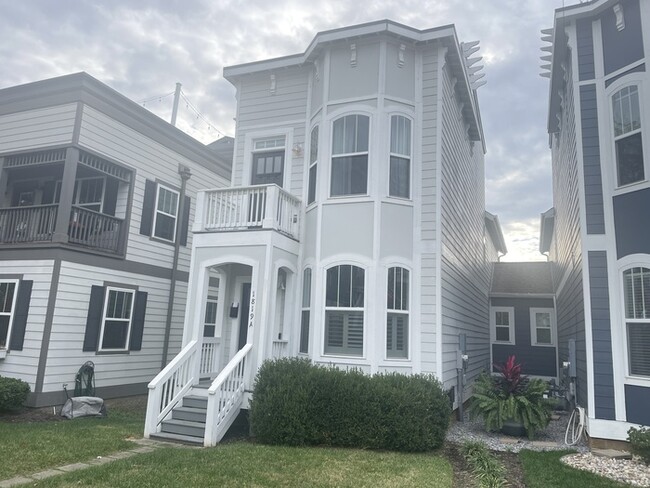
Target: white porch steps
187, 422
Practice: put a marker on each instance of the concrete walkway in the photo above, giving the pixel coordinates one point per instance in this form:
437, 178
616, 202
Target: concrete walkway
146, 445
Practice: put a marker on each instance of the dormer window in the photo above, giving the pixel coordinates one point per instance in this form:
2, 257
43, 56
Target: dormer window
627, 135
350, 156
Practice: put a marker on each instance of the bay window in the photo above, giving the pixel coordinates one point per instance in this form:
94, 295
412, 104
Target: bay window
344, 310
400, 157
350, 155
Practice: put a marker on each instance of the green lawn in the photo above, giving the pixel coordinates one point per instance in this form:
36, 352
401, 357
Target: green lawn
254, 465
31, 447
545, 470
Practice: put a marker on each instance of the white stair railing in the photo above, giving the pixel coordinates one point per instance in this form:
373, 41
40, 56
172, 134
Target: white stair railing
210, 350
225, 397
169, 387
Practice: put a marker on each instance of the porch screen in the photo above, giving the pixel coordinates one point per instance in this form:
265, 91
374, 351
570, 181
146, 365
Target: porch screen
344, 310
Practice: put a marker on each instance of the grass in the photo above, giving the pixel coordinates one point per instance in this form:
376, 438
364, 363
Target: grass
545, 470
255, 465
29, 447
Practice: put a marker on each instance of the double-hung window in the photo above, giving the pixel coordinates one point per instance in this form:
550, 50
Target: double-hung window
503, 325
636, 291
542, 327
397, 317
306, 311
350, 155
344, 310
626, 115
313, 165
8, 293
166, 213
400, 157
116, 323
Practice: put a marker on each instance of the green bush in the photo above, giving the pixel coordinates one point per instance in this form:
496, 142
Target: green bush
297, 403
13, 393
639, 439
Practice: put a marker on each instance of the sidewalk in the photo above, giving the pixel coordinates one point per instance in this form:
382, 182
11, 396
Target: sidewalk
146, 445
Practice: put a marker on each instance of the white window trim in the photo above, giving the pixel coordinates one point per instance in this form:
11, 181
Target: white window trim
403, 312
410, 158
533, 326
211, 300
107, 291
306, 309
156, 212
336, 117
11, 314
631, 379
311, 164
249, 149
511, 322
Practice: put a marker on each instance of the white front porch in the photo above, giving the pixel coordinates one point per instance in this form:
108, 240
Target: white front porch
241, 310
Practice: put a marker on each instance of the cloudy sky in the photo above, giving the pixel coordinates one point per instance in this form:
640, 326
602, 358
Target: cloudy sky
142, 48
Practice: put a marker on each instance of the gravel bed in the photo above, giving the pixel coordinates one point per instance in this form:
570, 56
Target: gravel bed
550, 439
630, 471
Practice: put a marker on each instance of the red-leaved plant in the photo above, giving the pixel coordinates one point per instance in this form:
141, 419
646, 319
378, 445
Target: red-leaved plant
511, 379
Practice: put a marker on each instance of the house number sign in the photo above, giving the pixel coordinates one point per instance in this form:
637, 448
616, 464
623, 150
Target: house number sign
251, 314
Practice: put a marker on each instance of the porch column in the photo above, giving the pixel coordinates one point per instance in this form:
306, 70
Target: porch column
67, 190
3, 182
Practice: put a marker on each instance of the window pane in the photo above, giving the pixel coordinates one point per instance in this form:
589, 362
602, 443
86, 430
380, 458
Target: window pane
338, 132
503, 334
543, 336
349, 175
397, 335
208, 330
543, 320
638, 347
306, 288
390, 295
304, 332
357, 287
165, 227
211, 312
350, 134
167, 201
313, 145
354, 332
629, 158
6, 296
502, 318
345, 286
333, 331
332, 287
115, 333
399, 177
4, 329
400, 135
344, 332
363, 129
311, 194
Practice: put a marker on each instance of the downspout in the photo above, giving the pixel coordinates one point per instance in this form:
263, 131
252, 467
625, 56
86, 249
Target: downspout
185, 173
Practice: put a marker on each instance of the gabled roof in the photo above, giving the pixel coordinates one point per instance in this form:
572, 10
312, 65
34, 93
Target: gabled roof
494, 231
81, 87
525, 278
445, 34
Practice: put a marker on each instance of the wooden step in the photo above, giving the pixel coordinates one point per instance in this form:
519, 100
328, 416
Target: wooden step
183, 427
195, 401
191, 414
185, 439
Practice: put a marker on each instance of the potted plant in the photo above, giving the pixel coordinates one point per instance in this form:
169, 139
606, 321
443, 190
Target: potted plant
510, 401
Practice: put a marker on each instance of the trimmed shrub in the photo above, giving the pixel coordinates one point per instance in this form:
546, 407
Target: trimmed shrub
639, 439
297, 403
13, 393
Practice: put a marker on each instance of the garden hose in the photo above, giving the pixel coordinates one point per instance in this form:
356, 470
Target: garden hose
576, 427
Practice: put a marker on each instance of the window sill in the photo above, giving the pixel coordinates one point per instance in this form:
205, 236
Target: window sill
112, 353
162, 241
637, 380
543, 345
407, 202
405, 361
348, 199
347, 357
504, 343
631, 187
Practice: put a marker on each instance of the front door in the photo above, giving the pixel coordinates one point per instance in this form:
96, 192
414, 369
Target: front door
243, 318
268, 168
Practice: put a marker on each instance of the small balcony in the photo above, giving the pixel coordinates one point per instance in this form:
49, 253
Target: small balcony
36, 224
249, 208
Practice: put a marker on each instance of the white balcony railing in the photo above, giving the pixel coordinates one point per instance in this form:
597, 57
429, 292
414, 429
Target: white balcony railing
249, 207
210, 352
280, 349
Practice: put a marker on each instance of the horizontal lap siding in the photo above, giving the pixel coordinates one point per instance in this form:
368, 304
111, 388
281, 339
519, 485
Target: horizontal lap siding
428, 213
152, 161
258, 107
465, 269
36, 129
566, 252
23, 364
69, 324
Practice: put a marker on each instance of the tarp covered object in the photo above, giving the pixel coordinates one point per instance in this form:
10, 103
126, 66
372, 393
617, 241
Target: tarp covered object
83, 406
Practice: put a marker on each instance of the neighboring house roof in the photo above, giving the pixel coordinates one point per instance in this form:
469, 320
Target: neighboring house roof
446, 34
546, 227
81, 87
224, 148
526, 278
494, 231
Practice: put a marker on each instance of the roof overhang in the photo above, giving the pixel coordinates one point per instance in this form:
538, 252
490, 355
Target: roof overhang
546, 228
493, 227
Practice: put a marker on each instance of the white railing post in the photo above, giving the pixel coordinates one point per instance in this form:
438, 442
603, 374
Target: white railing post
200, 216
271, 207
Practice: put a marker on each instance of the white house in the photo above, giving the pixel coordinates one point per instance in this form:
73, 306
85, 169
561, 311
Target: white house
354, 232
597, 233
96, 194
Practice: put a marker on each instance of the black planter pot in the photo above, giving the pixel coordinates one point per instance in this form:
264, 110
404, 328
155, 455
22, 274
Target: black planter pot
513, 428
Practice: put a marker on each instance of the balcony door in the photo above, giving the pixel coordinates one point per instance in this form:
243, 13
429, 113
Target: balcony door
268, 168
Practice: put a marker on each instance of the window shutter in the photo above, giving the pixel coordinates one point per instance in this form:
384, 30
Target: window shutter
137, 325
94, 320
110, 196
185, 222
20, 315
148, 206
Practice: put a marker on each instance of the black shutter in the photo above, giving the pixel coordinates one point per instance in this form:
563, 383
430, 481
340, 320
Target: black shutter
137, 324
20, 315
94, 321
148, 206
185, 222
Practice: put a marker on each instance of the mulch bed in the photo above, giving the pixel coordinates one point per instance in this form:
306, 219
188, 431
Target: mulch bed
463, 477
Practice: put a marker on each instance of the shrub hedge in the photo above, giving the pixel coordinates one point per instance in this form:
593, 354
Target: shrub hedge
13, 393
639, 439
298, 403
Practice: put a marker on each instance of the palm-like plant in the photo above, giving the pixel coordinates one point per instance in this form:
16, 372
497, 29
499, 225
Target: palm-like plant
510, 396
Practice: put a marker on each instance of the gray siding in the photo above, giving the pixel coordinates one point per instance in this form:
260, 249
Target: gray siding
566, 251
464, 267
637, 399
535, 360
430, 87
591, 155
621, 48
602, 336
585, 45
35, 129
632, 226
